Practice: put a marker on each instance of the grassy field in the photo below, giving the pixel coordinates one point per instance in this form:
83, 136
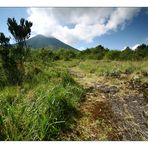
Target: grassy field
42, 107
48, 103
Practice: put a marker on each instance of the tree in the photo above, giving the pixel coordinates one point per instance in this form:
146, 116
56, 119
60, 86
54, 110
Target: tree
141, 52
21, 32
113, 55
4, 41
8, 63
13, 57
46, 55
127, 54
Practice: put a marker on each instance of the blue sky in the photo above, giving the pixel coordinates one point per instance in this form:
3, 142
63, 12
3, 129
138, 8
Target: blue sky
128, 29
10, 12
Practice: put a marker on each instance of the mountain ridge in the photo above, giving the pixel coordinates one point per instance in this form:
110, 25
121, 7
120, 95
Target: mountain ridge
41, 41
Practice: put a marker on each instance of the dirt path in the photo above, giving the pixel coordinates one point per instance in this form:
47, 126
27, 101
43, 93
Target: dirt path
109, 112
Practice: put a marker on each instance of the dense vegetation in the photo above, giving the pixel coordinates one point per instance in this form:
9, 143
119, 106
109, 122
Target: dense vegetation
42, 107
39, 99
97, 53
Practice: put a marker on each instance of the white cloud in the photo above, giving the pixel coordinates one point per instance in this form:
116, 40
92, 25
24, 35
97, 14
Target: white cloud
82, 48
120, 16
73, 25
135, 46
124, 48
132, 47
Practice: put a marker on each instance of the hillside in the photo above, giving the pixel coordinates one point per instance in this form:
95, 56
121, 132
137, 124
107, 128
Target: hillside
40, 41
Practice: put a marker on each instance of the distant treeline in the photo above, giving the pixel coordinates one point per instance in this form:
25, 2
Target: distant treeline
97, 53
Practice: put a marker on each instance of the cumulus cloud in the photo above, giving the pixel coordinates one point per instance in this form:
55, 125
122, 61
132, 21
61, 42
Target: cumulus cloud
73, 25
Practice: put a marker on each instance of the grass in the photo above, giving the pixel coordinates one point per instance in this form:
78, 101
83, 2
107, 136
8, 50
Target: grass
113, 68
44, 106
48, 101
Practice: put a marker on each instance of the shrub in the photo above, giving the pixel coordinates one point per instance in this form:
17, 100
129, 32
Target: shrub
3, 78
129, 70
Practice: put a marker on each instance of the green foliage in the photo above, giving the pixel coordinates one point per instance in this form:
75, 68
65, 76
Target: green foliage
41, 112
113, 55
3, 78
44, 99
66, 54
4, 41
13, 57
7, 59
113, 68
141, 52
99, 53
21, 31
127, 54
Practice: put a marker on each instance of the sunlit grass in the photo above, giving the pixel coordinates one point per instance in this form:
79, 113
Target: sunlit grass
45, 105
48, 101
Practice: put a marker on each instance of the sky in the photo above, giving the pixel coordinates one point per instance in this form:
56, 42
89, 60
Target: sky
114, 28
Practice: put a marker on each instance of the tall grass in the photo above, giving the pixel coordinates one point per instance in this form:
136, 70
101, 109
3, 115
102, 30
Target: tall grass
102, 68
40, 111
48, 101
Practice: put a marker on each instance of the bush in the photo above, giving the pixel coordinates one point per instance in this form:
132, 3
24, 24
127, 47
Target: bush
3, 78
129, 70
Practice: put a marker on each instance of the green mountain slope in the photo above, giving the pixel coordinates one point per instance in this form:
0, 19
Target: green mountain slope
40, 41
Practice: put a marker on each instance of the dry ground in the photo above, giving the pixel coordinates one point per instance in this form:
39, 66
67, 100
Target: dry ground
113, 108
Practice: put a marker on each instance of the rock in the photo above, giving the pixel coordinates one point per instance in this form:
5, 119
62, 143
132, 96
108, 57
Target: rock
135, 101
136, 77
103, 88
145, 114
113, 89
106, 88
123, 76
98, 86
135, 82
144, 73
145, 85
